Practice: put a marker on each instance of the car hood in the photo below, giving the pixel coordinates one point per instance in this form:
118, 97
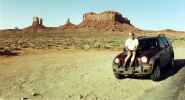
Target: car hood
148, 53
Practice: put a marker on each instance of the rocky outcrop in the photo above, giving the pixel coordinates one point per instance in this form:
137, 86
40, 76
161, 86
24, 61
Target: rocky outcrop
105, 20
69, 25
37, 25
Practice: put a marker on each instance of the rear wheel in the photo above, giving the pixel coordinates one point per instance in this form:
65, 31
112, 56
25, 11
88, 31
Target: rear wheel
156, 75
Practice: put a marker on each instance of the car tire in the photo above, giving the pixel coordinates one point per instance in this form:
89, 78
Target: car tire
116, 74
156, 75
119, 76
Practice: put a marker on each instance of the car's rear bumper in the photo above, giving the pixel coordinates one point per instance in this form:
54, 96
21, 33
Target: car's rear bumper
137, 70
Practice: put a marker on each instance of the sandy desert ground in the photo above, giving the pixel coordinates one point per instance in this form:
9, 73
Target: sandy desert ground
74, 62
82, 75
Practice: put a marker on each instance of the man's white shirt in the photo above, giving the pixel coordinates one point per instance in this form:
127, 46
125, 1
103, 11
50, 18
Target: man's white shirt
132, 44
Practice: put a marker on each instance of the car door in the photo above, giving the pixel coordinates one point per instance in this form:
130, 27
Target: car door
170, 47
163, 52
167, 50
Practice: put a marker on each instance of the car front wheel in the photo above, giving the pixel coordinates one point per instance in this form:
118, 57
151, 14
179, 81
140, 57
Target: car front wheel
156, 75
119, 76
116, 73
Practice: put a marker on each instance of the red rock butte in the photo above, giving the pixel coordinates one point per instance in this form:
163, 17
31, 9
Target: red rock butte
106, 20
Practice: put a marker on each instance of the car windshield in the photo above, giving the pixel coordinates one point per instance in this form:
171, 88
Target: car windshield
145, 44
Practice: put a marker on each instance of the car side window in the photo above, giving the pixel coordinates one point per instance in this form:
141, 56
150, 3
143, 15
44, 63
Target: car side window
161, 42
165, 41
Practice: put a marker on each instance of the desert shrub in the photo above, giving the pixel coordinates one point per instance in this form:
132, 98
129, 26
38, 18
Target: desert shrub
86, 47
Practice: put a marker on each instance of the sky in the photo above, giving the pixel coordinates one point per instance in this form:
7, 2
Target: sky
144, 14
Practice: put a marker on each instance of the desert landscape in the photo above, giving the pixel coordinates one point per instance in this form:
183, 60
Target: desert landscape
74, 62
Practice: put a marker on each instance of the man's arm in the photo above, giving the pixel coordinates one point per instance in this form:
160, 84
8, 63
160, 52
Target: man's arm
126, 44
136, 44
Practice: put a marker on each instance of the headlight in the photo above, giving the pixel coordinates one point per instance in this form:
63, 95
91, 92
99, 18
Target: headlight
144, 59
117, 61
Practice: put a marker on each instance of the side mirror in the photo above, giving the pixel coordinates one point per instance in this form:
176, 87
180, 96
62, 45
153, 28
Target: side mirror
163, 46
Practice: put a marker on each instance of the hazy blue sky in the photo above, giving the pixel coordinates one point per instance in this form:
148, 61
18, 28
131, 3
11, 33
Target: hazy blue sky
145, 14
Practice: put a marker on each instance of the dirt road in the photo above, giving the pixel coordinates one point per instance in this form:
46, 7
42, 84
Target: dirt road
82, 75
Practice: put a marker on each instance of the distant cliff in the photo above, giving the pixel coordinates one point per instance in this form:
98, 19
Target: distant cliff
106, 20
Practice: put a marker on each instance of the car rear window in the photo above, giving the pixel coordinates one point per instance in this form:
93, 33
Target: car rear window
145, 44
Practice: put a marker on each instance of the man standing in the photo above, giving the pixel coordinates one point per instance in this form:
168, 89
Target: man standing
131, 45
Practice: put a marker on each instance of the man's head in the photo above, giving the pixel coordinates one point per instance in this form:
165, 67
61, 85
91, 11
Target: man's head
131, 35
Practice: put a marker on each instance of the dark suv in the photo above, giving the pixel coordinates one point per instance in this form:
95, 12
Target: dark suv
152, 55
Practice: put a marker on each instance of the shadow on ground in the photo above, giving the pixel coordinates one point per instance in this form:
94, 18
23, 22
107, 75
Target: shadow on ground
9, 53
166, 72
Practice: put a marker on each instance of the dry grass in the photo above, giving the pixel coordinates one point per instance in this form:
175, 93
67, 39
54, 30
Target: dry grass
78, 39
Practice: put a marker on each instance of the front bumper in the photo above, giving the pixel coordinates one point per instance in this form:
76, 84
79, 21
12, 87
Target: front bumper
142, 69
